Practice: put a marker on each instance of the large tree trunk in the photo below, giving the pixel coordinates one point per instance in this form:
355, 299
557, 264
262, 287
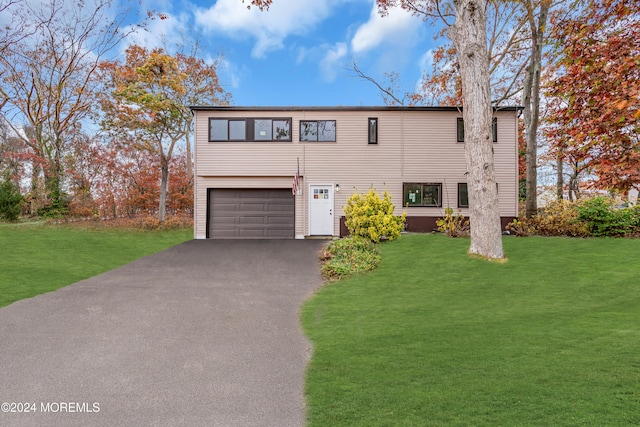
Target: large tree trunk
469, 35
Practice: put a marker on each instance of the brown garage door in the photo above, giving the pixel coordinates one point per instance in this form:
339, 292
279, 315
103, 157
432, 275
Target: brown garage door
251, 214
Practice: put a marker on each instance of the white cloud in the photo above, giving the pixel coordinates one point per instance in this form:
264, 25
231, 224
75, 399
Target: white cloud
426, 60
399, 27
230, 74
162, 33
284, 18
331, 60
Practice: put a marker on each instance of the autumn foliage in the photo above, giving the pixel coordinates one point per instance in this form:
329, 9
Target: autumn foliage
594, 92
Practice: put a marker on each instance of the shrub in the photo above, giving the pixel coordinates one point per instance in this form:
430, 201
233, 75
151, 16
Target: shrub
521, 227
559, 218
453, 225
348, 256
175, 222
10, 201
602, 219
371, 217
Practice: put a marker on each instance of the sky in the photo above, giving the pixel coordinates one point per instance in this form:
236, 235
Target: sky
298, 53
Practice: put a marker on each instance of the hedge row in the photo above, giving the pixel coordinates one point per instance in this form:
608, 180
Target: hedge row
597, 217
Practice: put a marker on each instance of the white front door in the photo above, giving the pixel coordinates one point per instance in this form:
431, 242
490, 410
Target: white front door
321, 210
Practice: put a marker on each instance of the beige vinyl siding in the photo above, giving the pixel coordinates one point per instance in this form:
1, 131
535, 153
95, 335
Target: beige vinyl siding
351, 161
413, 147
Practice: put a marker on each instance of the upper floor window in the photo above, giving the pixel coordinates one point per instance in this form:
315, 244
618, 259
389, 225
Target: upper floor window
245, 129
460, 129
272, 129
227, 130
373, 130
318, 130
429, 194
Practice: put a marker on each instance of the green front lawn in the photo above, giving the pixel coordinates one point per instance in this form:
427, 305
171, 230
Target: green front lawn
436, 338
41, 258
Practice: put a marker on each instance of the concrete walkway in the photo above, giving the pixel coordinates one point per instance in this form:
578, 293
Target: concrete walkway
206, 333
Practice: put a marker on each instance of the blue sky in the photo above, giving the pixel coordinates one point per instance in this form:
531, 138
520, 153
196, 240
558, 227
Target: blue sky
298, 52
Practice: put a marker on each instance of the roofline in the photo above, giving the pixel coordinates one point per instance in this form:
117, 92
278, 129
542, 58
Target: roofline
338, 108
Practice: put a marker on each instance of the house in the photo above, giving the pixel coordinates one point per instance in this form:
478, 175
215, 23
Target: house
247, 159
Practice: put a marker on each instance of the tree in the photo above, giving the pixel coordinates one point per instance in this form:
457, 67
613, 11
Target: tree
531, 98
202, 87
48, 78
10, 199
468, 32
515, 41
145, 103
594, 91
507, 40
469, 35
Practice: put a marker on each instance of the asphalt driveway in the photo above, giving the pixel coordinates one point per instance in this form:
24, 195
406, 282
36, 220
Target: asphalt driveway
206, 333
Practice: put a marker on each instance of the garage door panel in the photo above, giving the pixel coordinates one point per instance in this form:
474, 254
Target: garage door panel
273, 207
224, 234
250, 234
253, 206
226, 207
251, 214
223, 220
251, 220
278, 220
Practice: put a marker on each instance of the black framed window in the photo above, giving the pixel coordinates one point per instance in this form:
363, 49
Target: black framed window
318, 130
250, 129
237, 130
427, 194
262, 129
460, 129
281, 129
373, 130
227, 130
463, 195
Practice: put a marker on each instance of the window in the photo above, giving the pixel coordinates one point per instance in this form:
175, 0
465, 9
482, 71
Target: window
463, 195
460, 129
262, 129
237, 130
227, 129
429, 194
282, 129
250, 129
373, 130
318, 130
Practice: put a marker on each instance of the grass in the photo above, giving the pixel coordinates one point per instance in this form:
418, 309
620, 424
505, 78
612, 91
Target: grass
37, 258
349, 256
436, 338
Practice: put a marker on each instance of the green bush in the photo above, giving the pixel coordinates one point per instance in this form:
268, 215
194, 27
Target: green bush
453, 225
602, 219
596, 216
10, 201
371, 217
348, 256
